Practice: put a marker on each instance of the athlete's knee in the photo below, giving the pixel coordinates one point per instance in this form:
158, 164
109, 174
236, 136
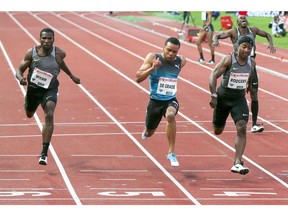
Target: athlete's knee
49, 110
50, 115
29, 114
199, 40
170, 116
149, 133
218, 131
241, 127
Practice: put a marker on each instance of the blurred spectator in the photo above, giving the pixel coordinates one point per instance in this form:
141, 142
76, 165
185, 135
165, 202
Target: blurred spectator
215, 14
186, 15
242, 13
277, 27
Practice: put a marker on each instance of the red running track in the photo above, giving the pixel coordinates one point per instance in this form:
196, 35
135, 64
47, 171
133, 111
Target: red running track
97, 156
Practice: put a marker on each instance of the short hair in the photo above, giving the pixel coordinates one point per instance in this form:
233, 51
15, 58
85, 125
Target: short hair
172, 40
246, 39
47, 30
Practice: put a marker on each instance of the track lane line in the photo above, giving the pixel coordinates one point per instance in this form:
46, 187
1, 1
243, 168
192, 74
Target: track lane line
180, 113
55, 156
155, 46
269, 71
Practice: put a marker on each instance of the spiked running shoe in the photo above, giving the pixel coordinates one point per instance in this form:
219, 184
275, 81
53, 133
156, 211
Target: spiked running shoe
173, 159
43, 160
211, 62
201, 61
240, 168
257, 128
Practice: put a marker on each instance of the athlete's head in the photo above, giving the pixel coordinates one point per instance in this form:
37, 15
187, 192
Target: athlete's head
172, 40
242, 21
245, 46
46, 38
171, 48
47, 30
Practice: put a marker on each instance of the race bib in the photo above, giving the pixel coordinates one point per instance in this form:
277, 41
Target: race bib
238, 80
41, 78
167, 86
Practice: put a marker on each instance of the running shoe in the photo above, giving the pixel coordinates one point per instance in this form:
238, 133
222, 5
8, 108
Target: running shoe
257, 128
201, 61
240, 168
144, 135
43, 160
173, 159
211, 62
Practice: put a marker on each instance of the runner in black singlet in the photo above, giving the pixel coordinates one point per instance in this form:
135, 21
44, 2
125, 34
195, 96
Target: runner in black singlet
44, 62
236, 70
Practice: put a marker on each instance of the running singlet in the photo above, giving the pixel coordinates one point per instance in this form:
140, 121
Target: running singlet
163, 80
234, 80
239, 36
44, 70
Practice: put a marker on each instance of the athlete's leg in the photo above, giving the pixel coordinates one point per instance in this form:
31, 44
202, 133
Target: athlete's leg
240, 141
209, 40
152, 119
171, 128
255, 104
220, 115
148, 133
201, 35
31, 103
48, 127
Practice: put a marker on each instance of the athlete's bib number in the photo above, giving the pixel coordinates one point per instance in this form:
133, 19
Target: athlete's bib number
238, 80
167, 86
41, 78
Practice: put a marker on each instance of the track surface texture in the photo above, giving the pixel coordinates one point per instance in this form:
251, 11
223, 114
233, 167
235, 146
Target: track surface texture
97, 156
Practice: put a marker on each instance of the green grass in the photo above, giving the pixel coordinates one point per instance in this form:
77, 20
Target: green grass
260, 22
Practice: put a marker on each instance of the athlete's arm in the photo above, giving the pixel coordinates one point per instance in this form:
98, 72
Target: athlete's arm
65, 68
60, 55
224, 35
23, 66
149, 65
263, 33
183, 60
219, 69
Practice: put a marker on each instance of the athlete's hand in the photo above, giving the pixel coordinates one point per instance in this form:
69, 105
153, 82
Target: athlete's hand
272, 49
213, 102
23, 81
156, 63
215, 44
76, 80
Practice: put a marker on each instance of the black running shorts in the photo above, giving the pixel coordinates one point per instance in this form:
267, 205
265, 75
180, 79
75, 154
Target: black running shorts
36, 96
237, 107
156, 110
